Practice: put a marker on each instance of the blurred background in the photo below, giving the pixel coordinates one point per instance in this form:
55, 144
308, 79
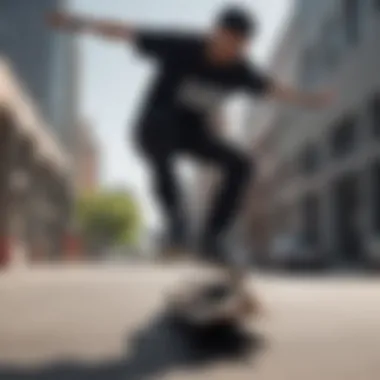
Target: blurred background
67, 110
73, 188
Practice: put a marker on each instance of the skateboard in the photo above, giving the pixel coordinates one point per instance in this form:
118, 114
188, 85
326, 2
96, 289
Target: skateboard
218, 298
210, 303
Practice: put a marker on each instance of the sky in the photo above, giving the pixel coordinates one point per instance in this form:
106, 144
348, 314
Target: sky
113, 79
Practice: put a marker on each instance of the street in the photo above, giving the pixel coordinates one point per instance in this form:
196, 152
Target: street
107, 323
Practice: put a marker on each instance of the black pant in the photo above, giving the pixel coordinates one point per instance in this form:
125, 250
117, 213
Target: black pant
165, 134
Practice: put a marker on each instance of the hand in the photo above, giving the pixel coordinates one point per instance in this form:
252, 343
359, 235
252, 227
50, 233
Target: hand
294, 96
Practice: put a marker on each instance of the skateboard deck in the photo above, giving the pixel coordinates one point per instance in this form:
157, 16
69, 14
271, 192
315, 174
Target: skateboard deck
208, 303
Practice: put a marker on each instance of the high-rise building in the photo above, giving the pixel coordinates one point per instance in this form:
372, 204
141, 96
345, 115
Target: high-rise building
327, 160
38, 114
44, 60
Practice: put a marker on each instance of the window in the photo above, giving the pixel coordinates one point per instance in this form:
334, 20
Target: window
351, 16
375, 116
308, 69
319, 66
375, 198
309, 160
310, 213
332, 43
344, 137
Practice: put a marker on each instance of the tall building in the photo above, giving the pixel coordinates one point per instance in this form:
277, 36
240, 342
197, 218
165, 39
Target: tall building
38, 113
35, 189
327, 161
44, 60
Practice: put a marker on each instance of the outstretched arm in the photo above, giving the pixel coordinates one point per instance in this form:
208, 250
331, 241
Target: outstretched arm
104, 28
265, 85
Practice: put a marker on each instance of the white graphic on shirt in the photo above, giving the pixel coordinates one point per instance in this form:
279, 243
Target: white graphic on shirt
199, 96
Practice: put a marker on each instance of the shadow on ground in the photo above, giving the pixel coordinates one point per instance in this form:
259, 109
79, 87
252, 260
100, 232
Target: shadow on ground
155, 350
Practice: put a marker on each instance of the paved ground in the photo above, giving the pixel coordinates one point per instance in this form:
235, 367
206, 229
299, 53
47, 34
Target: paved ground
106, 324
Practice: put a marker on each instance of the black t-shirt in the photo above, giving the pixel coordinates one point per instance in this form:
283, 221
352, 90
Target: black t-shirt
187, 81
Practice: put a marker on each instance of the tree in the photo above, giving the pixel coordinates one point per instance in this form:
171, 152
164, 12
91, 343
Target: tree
109, 218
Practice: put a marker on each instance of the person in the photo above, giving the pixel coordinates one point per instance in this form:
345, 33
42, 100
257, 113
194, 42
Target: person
196, 74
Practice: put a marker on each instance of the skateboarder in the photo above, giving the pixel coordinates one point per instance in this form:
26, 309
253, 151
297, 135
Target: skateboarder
196, 73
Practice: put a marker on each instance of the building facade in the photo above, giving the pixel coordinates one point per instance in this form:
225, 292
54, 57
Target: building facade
35, 191
38, 99
87, 160
45, 61
328, 160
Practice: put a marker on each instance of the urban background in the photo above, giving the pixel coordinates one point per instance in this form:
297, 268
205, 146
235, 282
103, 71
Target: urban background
81, 297
318, 178
315, 197
49, 154
314, 201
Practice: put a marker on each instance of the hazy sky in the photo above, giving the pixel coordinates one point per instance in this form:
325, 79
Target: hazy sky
113, 78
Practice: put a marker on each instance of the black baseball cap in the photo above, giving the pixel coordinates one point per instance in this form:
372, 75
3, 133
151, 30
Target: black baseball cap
238, 20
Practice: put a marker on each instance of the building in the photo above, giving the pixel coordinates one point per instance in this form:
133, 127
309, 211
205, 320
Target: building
45, 61
86, 172
327, 161
35, 192
38, 99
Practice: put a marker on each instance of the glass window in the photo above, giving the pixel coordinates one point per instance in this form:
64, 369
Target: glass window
324, 68
319, 67
344, 137
310, 213
309, 159
375, 115
332, 45
375, 198
351, 14
308, 69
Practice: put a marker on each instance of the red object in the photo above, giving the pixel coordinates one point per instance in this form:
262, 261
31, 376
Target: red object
72, 246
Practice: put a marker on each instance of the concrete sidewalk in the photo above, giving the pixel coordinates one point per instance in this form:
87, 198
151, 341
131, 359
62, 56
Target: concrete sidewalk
106, 323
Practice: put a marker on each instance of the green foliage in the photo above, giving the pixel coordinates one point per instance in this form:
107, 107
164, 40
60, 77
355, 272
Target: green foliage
109, 218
